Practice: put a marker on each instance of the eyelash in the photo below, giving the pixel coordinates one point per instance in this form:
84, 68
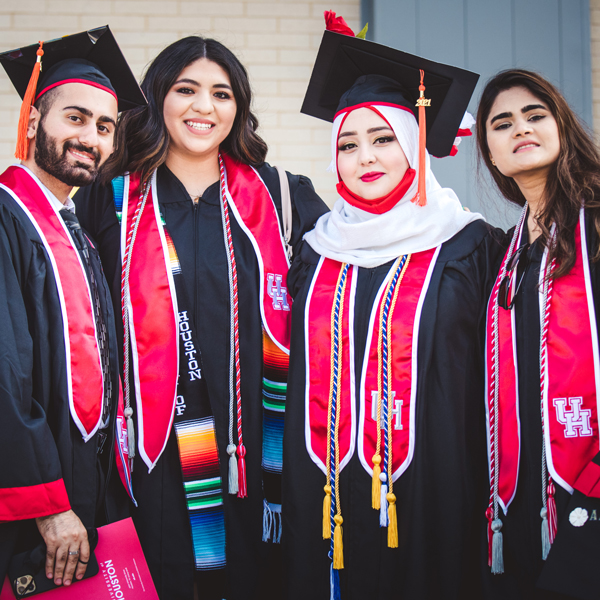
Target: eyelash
534, 118
186, 91
384, 139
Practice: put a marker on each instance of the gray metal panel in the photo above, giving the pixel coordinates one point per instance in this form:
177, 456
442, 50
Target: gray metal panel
549, 36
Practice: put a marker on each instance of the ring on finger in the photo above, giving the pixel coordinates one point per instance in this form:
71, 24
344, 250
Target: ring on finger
83, 562
71, 553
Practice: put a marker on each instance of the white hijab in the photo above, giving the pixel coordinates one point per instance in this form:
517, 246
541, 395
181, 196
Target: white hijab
349, 234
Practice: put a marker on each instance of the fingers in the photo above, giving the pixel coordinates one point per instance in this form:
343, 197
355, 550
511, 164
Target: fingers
71, 565
84, 557
66, 542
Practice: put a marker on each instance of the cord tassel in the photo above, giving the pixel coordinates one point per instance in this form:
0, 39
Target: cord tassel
233, 470
128, 412
326, 513
421, 198
393, 521
545, 533
338, 545
497, 556
22, 148
242, 489
552, 516
376, 484
383, 510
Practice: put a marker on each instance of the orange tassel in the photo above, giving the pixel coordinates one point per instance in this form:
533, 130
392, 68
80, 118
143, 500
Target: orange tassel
393, 521
421, 198
28, 100
338, 545
326, 512
376, 483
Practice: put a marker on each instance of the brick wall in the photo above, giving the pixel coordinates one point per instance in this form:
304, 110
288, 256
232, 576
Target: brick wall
276, 40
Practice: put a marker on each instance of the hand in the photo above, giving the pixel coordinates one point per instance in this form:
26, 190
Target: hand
64, 535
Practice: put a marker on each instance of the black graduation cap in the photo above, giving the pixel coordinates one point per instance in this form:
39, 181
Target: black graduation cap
343, 59
92, 56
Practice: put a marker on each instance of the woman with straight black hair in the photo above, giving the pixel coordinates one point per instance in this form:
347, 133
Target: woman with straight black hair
190, 225
542, 345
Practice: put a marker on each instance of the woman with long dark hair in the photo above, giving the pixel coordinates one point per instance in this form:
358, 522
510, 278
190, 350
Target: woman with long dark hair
542, 344
190, 234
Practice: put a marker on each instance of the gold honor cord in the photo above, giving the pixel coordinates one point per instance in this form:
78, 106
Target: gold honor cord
327, 488
391, 497
376, 482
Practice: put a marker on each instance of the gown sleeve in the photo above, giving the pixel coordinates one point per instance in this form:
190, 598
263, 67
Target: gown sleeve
31, 482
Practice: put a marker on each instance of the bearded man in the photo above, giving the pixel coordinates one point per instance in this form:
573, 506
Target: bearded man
59, 376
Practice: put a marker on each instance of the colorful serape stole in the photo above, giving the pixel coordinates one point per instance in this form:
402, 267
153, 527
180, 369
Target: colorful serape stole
275, 372
194, 426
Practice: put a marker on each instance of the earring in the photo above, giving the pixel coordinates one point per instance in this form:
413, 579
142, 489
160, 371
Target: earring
493, 161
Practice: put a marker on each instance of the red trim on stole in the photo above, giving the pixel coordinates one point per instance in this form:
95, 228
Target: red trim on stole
406, 315
255, 212
84, 361
570, 376
154, 326
318, 350
32, 501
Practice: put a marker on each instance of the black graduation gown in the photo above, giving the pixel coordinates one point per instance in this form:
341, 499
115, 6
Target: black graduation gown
253, 567
39, 442
438, 495
570, 565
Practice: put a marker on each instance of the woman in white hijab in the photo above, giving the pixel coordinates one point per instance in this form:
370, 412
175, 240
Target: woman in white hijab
384, 449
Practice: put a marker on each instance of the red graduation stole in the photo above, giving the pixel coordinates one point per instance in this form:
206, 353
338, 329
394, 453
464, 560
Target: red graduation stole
84, 370
402, 369
153, 302
402, 376
570, 378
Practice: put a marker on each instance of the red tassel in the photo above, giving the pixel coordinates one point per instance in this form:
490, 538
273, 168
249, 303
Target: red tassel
242, 488
489, 514
552, 516
421, 198
28, 100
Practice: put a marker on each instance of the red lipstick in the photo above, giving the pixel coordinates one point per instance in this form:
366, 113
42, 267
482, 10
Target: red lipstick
372, 176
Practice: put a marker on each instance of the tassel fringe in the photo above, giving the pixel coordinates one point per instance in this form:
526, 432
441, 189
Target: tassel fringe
338, 544
421, 198
22, 148
376, 484
271, 522
497, 556
326, 513
334, 584
552, 516
233, 470
393, 519
545, 533
242, 488
383, 510
128, 412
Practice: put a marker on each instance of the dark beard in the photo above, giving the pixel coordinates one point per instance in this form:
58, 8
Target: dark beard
49, 158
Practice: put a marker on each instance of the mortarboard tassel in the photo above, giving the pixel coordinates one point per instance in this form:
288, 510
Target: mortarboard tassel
28, 100
376, 484
326, 513
421, 198
393, 524
338, 544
